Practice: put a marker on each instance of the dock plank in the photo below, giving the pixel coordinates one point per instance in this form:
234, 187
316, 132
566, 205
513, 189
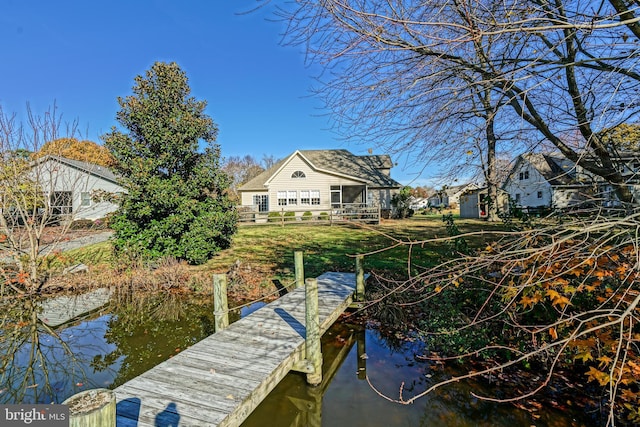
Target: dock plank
220, 380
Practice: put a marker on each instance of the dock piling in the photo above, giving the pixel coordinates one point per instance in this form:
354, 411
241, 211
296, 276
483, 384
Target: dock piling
299, 268
359, 278
220, 305
95, 407
313, 348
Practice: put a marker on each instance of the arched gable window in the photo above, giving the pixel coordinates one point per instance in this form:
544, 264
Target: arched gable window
298, 174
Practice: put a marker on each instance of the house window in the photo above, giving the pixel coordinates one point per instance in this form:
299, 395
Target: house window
262, 202
305, 197
518, 198
539, 194
524, 175
85, 198
315, 197
298, 174
282, 198
292, 197
61, 202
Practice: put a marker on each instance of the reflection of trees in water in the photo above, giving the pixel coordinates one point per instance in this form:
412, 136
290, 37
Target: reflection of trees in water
37, 363
40, 364
148, 328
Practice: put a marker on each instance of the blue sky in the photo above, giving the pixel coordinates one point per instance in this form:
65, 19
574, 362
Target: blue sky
83, 54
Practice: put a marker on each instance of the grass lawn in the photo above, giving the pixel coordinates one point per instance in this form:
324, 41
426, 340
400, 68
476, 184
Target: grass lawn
332, 248
267, 251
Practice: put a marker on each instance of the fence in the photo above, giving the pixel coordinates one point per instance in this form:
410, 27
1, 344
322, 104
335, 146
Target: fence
345, 213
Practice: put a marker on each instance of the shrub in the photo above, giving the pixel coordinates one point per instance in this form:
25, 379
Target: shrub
400, 203
307, 216
324, 216
289, 216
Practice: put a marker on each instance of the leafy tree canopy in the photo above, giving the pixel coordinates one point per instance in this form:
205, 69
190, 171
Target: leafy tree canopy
72, 148
176, 203
625, 136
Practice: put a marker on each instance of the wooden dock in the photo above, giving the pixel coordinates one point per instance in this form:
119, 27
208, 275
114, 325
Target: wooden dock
220, 380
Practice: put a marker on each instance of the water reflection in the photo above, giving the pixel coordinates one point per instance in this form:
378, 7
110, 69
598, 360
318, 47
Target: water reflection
41, 364
346, 399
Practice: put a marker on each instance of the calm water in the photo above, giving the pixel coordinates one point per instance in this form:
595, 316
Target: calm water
43, 365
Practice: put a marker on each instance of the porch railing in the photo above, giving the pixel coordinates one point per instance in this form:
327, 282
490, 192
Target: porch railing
344, 213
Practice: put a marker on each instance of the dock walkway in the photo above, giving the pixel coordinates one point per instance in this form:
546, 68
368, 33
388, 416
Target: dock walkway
220, 380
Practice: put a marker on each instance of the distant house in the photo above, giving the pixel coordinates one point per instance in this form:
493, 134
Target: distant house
450, 196
416, 203
71, 186
547, 180
473, 203
321, 179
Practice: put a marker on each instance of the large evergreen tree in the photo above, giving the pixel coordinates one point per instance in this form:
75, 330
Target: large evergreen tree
176, 203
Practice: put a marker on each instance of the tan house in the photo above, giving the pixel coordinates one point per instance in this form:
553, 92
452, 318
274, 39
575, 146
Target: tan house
321, 179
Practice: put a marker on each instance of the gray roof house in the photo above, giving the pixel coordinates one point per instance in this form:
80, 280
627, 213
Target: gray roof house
71, 186
450, 196
551, 180
547, 180
321, 179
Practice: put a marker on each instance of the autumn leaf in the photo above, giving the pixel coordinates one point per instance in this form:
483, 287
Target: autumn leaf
553, 333
553, 294
577, 272
527, 301
562, 301
604, 361
599, 376
635, 368
584, 356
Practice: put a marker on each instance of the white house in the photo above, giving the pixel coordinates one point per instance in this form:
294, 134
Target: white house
71, 186
450, 196
322, 179
547, 180
416, 203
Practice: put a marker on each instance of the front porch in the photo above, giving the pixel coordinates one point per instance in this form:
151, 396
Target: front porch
345, 212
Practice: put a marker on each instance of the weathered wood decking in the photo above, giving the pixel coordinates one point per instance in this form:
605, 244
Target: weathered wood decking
221, 379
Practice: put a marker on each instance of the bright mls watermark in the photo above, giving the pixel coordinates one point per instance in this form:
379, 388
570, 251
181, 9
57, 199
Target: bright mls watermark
34, 415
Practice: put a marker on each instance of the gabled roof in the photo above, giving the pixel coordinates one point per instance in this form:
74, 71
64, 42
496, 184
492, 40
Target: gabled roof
555, 169
87, 167
451, 191
378, 161
365, 169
